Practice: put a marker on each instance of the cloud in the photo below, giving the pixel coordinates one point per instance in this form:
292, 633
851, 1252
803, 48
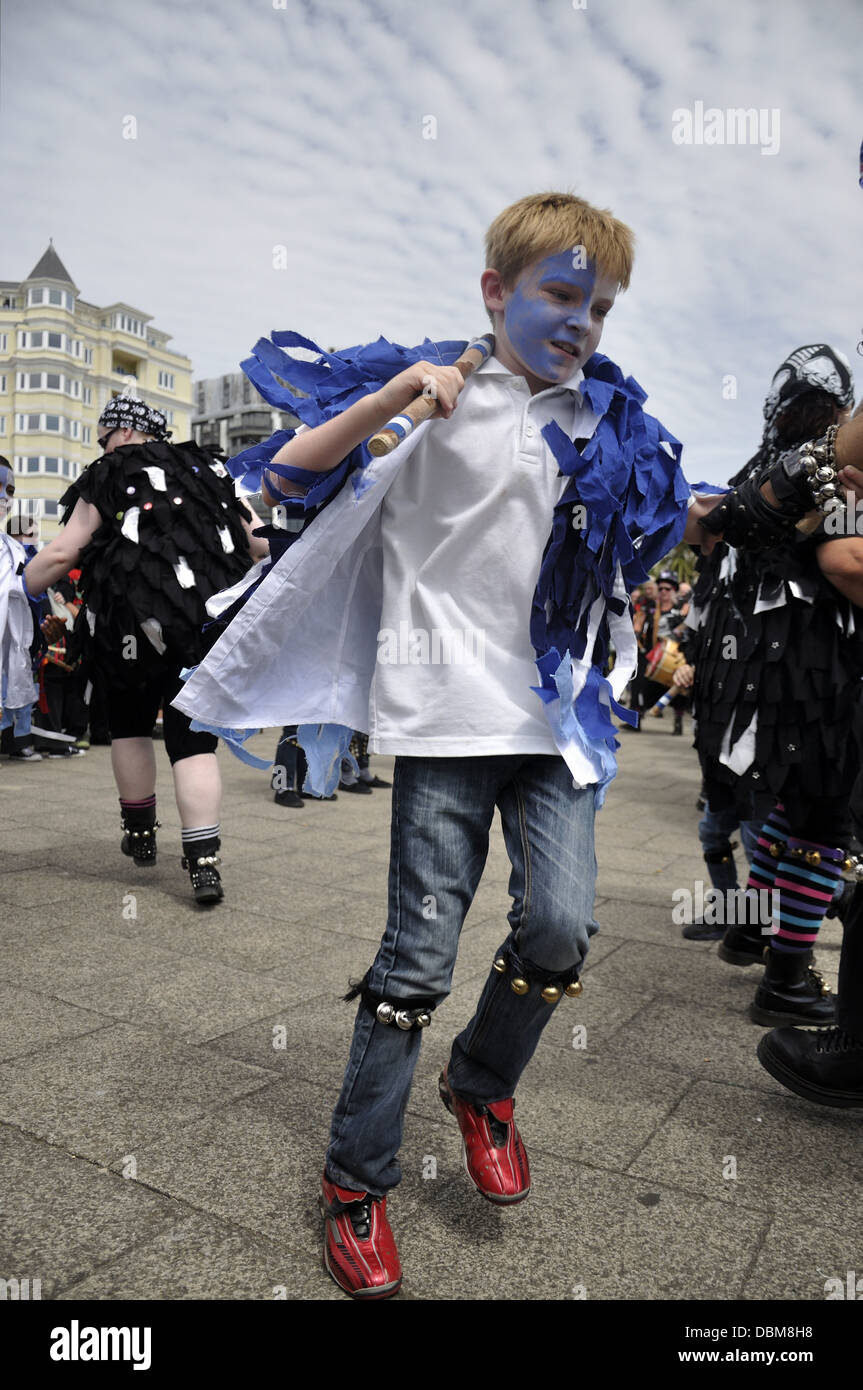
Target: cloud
304, 127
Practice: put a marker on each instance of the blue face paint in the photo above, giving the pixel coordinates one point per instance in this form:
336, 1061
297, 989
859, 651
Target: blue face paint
5, 479
560, 300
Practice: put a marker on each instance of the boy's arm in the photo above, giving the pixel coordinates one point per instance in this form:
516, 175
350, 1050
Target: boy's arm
321, 449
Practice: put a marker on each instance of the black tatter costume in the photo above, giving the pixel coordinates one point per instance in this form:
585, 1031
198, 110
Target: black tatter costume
171, 536
778, 656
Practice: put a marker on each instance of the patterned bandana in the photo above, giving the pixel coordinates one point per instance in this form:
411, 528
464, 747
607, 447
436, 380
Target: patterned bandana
813, 368
128, 413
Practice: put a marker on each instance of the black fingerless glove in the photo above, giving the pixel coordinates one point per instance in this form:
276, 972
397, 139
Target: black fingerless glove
802, 480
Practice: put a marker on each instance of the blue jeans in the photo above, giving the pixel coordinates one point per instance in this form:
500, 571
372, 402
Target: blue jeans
715, 830
442, 812
18, 720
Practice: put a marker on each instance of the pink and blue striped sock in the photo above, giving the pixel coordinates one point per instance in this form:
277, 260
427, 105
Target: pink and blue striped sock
806, 880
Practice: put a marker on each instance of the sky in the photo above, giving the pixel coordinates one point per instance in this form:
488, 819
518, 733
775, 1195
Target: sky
331, 166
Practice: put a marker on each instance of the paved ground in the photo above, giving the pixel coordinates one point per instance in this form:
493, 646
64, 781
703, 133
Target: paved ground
166, 1073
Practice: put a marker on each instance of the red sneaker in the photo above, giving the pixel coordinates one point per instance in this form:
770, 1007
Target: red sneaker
359, 1249
494, 1155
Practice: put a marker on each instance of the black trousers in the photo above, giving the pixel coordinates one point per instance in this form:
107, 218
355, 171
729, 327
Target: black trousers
849, 999
132, 712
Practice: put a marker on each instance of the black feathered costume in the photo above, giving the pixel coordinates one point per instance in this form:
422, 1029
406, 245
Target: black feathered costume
171, 536
779, 652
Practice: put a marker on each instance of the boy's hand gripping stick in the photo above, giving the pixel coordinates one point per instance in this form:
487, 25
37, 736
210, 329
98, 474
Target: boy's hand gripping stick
422, 407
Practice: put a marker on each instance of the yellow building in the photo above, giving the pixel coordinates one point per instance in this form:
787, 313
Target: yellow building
61, 361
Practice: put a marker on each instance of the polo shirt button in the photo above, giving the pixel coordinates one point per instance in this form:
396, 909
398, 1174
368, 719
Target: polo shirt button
529, 431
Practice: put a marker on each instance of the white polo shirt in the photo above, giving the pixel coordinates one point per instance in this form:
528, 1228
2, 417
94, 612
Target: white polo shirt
464, 529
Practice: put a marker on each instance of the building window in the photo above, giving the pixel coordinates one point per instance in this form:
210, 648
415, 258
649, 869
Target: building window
127, 324
36, 296
3, 385
52, 465
166, 381
202, 397
169, 415
226, 392
32, 465
2, 424
53, 423
55, 297
247, 391
55, 340
53, 381
4, 340
88, 395
52, 508
88, 357
85, 435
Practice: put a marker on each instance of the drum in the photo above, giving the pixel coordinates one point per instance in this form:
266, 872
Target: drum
663, 660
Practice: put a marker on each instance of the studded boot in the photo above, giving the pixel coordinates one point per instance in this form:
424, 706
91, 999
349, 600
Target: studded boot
202, 861
139, 834
792, 991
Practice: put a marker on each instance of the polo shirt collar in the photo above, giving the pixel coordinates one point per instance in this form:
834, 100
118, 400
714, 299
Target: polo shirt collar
493, 367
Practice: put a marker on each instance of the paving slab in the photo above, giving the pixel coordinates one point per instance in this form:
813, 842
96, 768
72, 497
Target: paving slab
62, 1216
200, 1258
742, 1147
802, 1259
101, 1095
167, 1073
581, 1233
28, 1020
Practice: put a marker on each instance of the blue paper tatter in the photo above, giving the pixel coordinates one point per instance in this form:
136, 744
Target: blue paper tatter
624, 506
320, 391
234, 739
325, 746
627, 484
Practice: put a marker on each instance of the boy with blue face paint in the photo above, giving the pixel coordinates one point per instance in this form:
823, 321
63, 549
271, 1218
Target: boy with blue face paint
552, 318
521, 515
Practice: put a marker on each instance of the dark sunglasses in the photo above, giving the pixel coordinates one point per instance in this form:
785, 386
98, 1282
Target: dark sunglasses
105, 437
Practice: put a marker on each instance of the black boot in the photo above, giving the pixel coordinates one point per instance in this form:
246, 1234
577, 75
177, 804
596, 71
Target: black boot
742, 946
825, 1066
139, 837
792, 992
841, 906
678, 722
201, 863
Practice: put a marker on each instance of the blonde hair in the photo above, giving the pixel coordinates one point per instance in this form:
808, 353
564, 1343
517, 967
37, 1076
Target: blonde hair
544, 224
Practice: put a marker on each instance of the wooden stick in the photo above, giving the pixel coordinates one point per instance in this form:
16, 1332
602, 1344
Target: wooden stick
423, 406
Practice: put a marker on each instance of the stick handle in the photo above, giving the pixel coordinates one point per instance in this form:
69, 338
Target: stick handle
423, 406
